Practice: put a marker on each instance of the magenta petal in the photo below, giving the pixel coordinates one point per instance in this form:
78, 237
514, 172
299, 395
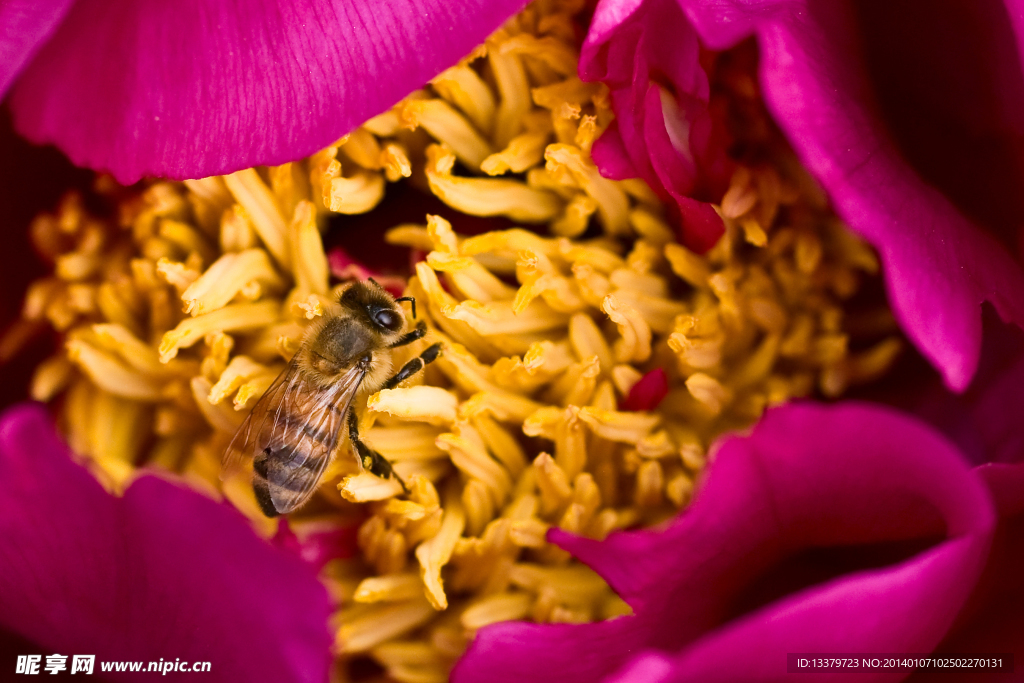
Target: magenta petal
648, 392
993, 620
669, 46
648, 668
610, 155
24, 26
702, 226
317, 541
162, 572
194, 88
512, 652
648, 55
997, 415
1006, 484
985, 421
677, 172
804, 500
672, 156
939, 265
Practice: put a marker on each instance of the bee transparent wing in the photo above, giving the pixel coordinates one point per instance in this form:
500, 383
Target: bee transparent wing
243, 448
290, 435
306, 446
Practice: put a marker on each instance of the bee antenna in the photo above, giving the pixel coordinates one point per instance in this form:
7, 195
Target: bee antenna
374, 282
412, 303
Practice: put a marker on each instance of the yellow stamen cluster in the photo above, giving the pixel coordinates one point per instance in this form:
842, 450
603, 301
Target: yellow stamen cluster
179, 314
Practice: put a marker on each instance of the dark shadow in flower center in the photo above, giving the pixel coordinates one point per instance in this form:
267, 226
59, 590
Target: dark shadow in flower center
32, 179
362, 235
810, 567
948, 80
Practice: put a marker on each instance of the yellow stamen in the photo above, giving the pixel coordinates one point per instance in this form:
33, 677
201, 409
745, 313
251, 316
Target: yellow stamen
254, 196
495, 608
573, 222
356, 194
612, 204
186, 238
229, 276
423, 404
363, 148
490, 197
240, 370
434, 554
364, 487
389, 588
309, 260
464, 88
112, 374
449, 127
395, 161
514, 90
619, 426
222, 417
379, 624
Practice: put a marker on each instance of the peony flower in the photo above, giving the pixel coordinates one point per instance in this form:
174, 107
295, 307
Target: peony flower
915, 135
622, 357
185, 91
852, 528
161, 572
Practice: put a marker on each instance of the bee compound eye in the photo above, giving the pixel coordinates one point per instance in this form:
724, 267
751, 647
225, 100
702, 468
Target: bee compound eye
387, 319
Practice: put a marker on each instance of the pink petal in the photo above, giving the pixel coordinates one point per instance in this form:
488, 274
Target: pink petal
701, 224
512, 652
159, 572
648, 55
317, 541
993, 620
24, 27
610, 155
651, 667
939, 264
987, 420
648, 392
997, 415
678, 173
806, 536
987, 423
193, 88
1006, 484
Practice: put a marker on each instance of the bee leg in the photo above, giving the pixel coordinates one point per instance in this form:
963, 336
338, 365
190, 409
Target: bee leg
414, 366
371, 459
412, 303
410, 337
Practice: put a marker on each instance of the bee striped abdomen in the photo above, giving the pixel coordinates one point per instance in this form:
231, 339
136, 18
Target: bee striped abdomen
298, 447
282, 476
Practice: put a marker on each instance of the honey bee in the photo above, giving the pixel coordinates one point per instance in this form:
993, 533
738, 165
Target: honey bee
293, 429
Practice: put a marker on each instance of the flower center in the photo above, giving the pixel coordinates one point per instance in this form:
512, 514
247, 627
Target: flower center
588, 362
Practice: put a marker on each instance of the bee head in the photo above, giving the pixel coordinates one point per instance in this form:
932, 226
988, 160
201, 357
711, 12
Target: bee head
374, 305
